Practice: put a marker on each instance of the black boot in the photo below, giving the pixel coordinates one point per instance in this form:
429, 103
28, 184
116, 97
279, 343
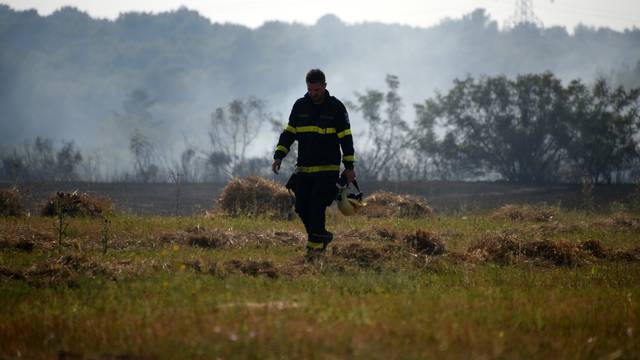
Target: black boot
315, 247
326, 239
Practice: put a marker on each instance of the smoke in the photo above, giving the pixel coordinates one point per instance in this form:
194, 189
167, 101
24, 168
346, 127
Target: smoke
69, 77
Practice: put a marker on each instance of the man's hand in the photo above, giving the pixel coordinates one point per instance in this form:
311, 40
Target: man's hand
276, 165
349, 174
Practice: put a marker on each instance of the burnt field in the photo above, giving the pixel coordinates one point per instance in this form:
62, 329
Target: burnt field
523, 281
444, 197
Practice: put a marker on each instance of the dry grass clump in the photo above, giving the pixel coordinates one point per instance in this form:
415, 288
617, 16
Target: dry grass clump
386, 204
78, 204
253, 268
363, 256
425, 242
200, 237
620, 221
500, 248
213, 238
58, 271
25, 238
559, 253
624, 221
506, 248
594, 247
254, 196
526, 212
11, 202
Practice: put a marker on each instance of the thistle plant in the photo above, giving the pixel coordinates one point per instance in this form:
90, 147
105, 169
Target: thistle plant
104, 234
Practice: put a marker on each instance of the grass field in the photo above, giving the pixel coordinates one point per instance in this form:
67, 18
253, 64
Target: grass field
193, 287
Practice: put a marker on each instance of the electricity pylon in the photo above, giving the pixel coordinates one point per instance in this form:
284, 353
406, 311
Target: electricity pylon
523, 15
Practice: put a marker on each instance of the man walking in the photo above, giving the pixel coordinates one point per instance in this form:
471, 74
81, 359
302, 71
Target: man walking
320, 123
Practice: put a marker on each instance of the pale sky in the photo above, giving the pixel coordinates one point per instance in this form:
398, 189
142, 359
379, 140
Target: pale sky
617, 14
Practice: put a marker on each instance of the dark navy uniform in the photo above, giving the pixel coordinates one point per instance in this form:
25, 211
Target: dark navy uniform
322, 130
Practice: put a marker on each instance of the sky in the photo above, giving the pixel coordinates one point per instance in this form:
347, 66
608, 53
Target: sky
616, 14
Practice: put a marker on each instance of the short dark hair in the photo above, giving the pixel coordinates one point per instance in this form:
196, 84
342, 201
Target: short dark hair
315, 76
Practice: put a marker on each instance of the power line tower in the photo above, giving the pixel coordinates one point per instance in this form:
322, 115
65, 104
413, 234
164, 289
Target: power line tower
523, 15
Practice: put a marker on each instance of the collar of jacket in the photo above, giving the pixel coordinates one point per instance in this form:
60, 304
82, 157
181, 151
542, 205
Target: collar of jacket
326, 97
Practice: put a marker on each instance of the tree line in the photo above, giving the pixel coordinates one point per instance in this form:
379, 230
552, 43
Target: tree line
185, 63
527, 129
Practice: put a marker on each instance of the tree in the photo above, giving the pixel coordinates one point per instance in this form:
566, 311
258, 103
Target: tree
41, 161
514, 128
143, 157
68, 161
603, 123
386, 137
233, 130
438, 159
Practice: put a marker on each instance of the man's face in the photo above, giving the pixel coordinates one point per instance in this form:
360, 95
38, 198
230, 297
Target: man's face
316, 91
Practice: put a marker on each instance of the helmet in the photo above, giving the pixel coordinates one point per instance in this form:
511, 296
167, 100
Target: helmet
349, 203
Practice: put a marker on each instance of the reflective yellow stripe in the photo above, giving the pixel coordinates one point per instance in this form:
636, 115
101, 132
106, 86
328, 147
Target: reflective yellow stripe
344, 133
316, 129
313, 169
290, 129
283, 149
349, 158
314, 245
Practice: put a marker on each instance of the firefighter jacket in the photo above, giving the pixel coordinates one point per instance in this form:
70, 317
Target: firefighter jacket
321, 131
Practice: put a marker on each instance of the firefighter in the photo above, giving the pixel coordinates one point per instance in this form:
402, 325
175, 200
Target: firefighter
320, 124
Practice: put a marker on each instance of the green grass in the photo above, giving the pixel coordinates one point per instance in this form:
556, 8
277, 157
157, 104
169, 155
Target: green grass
147, 301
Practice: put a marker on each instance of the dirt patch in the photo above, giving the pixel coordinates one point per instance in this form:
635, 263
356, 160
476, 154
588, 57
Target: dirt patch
199, 237
254, 196
386, 204
386, 234
11, 274
11, 202
526, 213
78, 204
425, 242
252, 268
70, 355
630, 255
271, 305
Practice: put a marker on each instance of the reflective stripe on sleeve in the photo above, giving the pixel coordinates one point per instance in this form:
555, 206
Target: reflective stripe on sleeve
344, 133
283, 149
290, 129
349, 158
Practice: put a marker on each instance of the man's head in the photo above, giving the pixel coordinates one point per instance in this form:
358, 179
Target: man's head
316, 85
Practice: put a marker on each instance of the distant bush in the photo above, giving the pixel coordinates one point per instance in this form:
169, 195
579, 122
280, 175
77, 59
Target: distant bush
526, 212
78, 204
254, 196
11, 202
385, 204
